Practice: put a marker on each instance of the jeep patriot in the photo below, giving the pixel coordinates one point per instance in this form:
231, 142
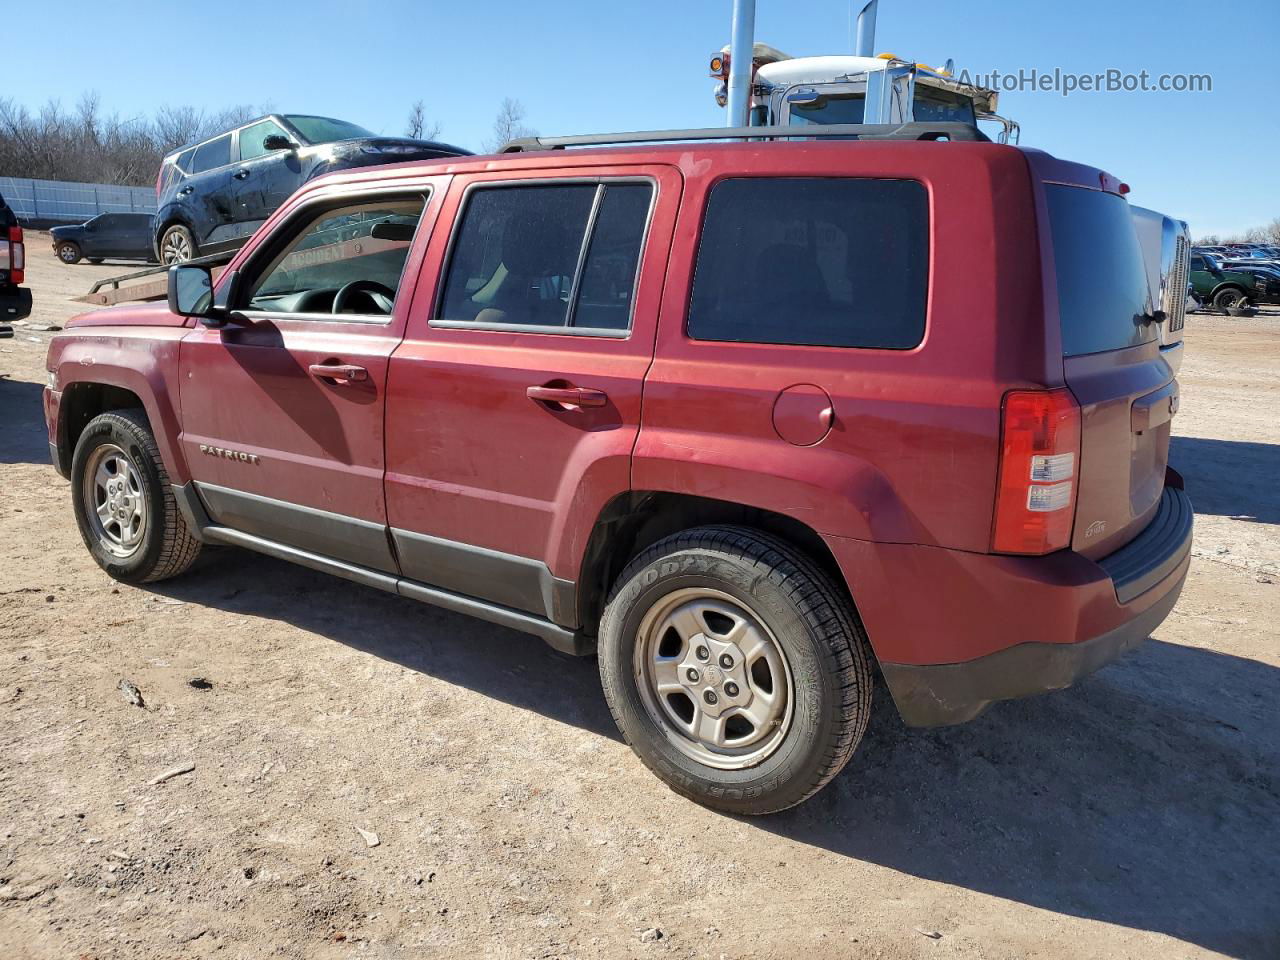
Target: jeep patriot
750, 420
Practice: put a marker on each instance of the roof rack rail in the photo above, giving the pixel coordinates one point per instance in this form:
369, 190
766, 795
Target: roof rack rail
949, 130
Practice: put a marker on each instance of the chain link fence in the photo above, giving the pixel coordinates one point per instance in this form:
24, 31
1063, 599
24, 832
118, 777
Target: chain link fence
58, 201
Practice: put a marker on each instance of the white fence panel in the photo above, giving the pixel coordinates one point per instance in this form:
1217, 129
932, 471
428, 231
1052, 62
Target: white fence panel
72, 202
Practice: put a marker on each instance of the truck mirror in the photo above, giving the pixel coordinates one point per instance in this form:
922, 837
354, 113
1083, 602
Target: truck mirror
190, 290
277, 141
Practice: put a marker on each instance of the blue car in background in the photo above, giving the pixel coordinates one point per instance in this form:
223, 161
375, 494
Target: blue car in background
119, 236
212, 195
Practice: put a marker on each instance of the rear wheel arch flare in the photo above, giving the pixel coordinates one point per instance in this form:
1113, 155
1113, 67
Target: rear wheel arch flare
635, 520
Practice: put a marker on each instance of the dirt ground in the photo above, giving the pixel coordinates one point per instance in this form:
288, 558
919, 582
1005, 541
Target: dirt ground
1136, 815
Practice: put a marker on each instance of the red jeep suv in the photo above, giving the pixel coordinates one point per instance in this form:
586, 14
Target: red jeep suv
750, 420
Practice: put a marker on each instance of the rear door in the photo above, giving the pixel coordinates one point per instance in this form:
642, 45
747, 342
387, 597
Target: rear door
514, 401
206, 194
1112, 363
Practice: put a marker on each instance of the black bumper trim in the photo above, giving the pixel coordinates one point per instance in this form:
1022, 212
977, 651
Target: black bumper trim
937, 695
1156, 552
15, 303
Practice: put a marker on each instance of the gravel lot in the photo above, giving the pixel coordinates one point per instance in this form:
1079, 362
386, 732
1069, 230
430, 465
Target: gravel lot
1136, 815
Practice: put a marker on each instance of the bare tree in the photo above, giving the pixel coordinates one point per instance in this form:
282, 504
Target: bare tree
508, 125
418, 127
87, 145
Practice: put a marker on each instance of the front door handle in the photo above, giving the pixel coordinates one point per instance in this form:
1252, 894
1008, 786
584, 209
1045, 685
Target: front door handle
569, 396
241, 174
338, 372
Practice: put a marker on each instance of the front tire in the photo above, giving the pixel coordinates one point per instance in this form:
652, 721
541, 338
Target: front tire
735, 669
1229, 297
177, 245
126, 512
68, 252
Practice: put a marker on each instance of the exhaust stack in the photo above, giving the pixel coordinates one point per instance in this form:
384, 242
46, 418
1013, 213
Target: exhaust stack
741, 48
866, 42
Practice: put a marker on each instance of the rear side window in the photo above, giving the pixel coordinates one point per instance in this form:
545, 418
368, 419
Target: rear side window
215, 153
1102, 279
560, 255
815, 261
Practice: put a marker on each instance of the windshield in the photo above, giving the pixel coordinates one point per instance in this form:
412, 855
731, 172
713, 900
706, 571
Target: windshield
941, 106
828, 109
325, 129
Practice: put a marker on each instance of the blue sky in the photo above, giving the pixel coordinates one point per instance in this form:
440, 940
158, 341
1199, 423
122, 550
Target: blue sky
579, 67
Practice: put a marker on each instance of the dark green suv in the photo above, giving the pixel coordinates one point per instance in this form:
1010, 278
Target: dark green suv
1218, 287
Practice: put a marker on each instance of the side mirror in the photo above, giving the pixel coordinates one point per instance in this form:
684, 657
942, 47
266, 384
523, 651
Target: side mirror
278, 141
191, 291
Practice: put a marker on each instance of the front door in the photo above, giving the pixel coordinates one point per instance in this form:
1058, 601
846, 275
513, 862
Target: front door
264, 178
514, 402
283, 414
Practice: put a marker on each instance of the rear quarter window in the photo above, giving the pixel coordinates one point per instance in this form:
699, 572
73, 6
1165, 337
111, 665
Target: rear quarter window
1102, 279
830, 262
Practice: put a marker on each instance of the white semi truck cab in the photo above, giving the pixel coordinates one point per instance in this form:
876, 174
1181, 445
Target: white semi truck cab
801, 91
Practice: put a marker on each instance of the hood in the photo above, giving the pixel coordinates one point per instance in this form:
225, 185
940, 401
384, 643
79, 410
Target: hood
129, 315
391, 149
66, 231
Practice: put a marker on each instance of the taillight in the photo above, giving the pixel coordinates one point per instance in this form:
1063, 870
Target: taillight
17, 256
1039, 454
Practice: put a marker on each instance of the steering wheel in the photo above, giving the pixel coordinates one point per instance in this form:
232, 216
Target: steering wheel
362, 286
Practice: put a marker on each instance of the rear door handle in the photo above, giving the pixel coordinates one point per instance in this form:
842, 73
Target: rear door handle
241, 174
569, 396
338, 372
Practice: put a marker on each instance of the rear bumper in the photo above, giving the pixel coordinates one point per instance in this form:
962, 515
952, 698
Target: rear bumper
955, 632
15, 303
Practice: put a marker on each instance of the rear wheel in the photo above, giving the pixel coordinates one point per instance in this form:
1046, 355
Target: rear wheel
1229, 297
735, 669
68, 252
177, 245
127, 514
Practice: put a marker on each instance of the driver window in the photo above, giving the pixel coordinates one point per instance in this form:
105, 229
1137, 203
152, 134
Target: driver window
344, 261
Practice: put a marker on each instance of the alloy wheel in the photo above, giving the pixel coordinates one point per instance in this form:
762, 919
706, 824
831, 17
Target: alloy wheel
114, 500
713, 678
176, 249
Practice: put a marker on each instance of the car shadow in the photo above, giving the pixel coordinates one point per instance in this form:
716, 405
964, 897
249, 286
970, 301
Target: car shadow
22, 438
1229, 478
1146, 796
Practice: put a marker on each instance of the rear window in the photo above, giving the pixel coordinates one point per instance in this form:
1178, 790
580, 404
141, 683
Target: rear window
1102, 280
215, 153
815, 261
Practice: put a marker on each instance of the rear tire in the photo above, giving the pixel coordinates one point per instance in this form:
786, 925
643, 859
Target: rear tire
126, 512
687, 629
69, 252
1229, 297
177, 245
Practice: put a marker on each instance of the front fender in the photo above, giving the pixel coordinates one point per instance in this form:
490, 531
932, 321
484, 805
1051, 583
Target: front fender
143, 361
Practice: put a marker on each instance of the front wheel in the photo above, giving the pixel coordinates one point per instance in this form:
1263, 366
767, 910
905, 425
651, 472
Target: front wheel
735, 669
68, 252
1229, 297
127, 514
